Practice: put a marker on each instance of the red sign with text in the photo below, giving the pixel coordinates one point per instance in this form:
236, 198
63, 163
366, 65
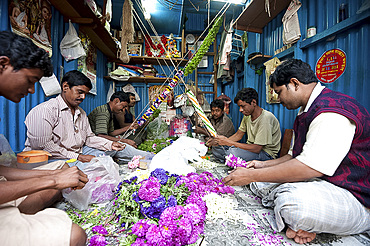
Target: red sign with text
331, 65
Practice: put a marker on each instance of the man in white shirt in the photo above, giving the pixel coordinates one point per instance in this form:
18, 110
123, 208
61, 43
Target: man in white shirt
323, 187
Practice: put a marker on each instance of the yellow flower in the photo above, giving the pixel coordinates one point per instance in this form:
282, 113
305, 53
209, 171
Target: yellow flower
94, 213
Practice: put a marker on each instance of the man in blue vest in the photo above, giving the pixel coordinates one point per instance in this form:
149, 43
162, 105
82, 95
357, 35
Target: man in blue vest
324, 186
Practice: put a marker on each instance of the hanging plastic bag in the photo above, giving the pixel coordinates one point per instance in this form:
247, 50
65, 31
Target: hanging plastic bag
103, 177
70, 46
50, 85
7, 156
271, 65
291, 29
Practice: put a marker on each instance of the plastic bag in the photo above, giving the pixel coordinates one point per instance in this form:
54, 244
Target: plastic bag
180, 126
103, 177
70, 46
7, 156
157, 129
50, 85
175, 158
130, 88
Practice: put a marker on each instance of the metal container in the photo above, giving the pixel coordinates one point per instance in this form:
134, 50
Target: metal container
311, 31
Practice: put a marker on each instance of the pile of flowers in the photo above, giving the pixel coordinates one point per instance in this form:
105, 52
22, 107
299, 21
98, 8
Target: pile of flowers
156, 145
234, 162
163, 209
135, 162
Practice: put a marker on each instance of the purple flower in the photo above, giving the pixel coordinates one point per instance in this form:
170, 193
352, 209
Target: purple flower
97, 240
102, 193
135, 197
154, 236
100, 229
167, 228
176, 176
184, 230
196, 199
171, 201
172, 213
155, 209
140, 228
149, 189
131, 180
161, 175
194, 213
197, 230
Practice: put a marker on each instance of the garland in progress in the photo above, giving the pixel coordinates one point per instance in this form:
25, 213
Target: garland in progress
193, 63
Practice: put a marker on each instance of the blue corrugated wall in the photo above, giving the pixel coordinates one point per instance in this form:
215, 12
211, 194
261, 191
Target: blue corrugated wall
354, 41
12, 115
322, 14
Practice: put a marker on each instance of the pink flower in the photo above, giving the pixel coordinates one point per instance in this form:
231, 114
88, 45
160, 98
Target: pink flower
135, 162
150, 189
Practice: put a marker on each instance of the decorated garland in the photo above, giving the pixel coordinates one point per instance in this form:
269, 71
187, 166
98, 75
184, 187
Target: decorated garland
149, 44
203, 49
209, 39
201, 113
160, 98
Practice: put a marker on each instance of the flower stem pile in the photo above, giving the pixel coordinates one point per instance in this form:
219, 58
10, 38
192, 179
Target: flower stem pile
156, 145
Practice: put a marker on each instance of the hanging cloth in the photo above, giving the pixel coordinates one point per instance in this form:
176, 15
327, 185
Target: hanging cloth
127, 35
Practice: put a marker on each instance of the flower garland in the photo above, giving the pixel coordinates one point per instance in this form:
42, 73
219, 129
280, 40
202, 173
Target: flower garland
163, 209
204, 164
208, 40
149, 45
234, 162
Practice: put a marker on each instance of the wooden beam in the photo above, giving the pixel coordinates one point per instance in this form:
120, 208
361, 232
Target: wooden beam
81, 21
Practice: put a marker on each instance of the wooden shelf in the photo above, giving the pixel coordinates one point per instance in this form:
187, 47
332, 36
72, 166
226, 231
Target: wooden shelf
155, 61
139, 80
80, 13
258, 59
254, 17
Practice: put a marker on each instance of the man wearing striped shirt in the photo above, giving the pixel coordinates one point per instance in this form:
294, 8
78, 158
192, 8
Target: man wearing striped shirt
62, 128
101, 119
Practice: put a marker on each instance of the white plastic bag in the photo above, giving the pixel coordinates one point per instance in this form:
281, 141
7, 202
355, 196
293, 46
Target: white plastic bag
70, 46
290, 20
50, 85
130, 88
103, 177
175, 157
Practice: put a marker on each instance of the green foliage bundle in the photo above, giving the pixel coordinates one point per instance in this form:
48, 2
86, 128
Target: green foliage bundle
203, 49
156, 145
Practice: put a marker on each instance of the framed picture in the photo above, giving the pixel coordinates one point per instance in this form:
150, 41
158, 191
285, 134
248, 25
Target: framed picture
134, 49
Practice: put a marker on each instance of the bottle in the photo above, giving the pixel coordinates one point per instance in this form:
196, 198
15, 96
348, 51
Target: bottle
342, 12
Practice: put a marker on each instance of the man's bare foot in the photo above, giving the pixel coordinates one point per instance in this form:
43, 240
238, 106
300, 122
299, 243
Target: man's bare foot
300, 236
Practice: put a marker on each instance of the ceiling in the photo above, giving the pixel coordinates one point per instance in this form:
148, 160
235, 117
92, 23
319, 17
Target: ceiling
169, 15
